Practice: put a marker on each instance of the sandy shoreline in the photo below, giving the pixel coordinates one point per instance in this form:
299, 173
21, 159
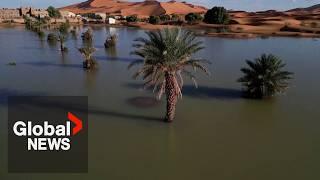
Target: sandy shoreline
207, 30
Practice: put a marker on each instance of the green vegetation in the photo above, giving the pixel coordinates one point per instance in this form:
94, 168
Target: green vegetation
265, 77
41, 34
217, 15
74, 33
175, 17
132, 18
36, 26
62, 38
92, 16
53, 12
111, 41
165, 17
87, 36
64, 27
12, 63
166, 56
52, 37
192, 18
89, 62
154, 20
162, 18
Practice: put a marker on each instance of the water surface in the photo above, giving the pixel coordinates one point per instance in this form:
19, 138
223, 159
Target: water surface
217, 134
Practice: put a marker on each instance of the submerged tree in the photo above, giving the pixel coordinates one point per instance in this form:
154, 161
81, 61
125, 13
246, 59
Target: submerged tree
41, 34
62, 38
63, 35
111, 41
52, 37
64, 27
265, 77
87, 36
166, 56
74, 33
89, 62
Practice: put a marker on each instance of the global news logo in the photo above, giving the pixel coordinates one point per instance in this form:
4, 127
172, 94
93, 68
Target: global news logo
46, 136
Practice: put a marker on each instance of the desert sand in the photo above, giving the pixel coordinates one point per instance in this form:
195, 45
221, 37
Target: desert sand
300, 22
141, 9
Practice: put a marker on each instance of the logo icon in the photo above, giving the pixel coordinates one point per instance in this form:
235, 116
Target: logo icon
51, 137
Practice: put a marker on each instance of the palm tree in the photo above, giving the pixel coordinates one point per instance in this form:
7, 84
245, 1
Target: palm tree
166, 56
265, 77
89, 61
111, 41
62, 39
63, 30
87, 36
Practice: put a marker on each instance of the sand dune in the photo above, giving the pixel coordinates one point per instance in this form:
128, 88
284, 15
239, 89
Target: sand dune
295, 22
142, 9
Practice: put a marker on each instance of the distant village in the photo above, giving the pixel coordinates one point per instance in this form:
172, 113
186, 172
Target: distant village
18, 15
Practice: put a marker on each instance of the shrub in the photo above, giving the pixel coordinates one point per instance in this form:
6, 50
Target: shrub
175, 17
41, 34
12, 63
92, 16
193, 18
74, 32
165, 17
111, 41
52, 37
53, 12
154, 20
217, 15
132, 18
87, 36
64, 27
27, 22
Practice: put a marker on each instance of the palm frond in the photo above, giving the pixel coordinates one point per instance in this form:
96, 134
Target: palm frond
134, 63
264, 77
167, 51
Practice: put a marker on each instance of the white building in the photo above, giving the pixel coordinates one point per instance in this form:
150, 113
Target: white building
117, 17
67, 14
111, 20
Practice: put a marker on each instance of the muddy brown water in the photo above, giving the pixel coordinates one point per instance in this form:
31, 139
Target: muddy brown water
216, 135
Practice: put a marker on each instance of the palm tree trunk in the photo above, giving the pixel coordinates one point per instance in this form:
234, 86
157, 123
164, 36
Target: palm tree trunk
61, 46
171, 97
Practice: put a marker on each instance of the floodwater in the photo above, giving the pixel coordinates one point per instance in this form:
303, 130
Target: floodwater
216, 135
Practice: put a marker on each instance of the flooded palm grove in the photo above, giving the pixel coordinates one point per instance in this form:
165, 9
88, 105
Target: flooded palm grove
217, 134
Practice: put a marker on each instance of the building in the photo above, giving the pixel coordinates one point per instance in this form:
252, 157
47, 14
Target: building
40, 13
111, 20
25, 11
68, 14
118, 17
29, 11
9, 13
